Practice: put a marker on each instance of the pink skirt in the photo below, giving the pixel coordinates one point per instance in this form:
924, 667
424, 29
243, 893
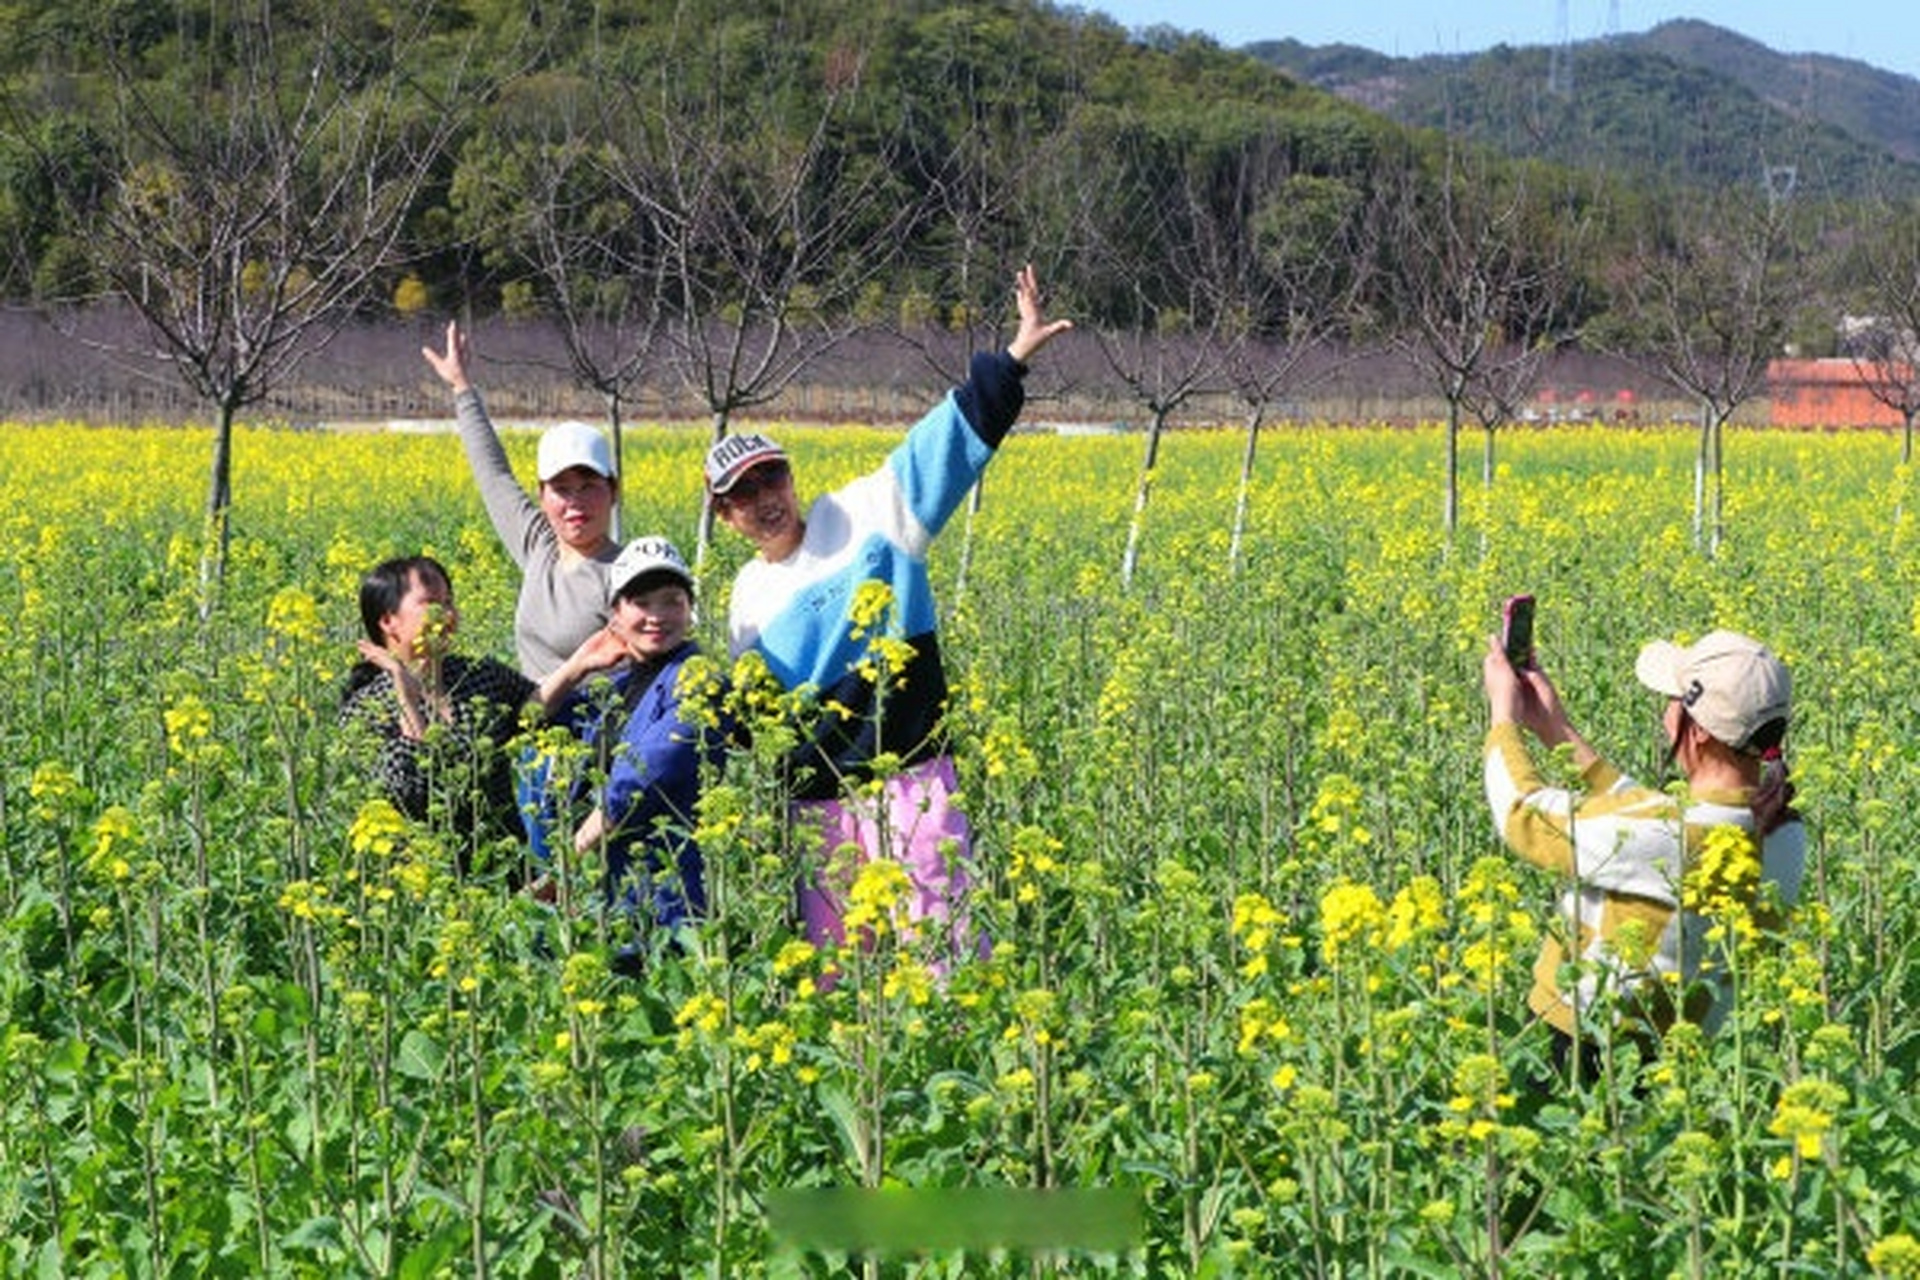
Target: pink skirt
912, 821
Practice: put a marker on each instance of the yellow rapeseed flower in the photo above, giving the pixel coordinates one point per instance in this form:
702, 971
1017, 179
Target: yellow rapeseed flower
1896, 1256
878, 890
1350, 915
1725, 874
1805, 1113
1418, 910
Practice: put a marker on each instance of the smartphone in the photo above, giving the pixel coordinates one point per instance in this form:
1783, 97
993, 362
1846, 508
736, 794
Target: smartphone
1516, 630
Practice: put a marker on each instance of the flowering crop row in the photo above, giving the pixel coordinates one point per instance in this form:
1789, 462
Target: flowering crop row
1258, 958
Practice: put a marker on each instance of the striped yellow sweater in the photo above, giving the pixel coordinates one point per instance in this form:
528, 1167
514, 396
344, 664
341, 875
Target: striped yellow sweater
1624, 849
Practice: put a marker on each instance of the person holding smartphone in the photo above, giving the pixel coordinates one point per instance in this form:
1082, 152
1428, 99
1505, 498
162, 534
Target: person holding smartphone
1628, 849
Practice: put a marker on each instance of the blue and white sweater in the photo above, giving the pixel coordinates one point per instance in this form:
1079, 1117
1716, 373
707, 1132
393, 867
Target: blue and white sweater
798, 612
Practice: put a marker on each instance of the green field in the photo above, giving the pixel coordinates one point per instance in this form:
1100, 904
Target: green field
1260, 958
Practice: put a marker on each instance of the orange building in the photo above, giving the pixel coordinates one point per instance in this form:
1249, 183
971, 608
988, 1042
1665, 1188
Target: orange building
1828, 393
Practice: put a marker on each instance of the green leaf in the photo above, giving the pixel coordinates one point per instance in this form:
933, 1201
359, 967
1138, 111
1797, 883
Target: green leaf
421, 1057
317, 1235
426, 1258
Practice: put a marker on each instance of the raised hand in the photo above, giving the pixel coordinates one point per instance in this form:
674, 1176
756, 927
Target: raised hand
451, 364
1036, 331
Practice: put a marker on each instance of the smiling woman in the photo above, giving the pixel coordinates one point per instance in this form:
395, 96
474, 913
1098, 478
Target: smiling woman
650, 748
563, 545
440, 721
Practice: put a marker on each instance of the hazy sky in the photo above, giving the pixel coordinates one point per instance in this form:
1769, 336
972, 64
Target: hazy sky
1867, 30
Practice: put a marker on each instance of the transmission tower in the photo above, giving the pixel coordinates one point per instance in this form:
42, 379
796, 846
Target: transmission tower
1560, 57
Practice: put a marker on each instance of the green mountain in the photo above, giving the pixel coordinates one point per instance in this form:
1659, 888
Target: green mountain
1877, 107
1687, 103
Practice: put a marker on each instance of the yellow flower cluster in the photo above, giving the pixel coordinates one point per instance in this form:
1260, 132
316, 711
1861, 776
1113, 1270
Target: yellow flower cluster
1254, 923
1480, 1099
1334, 819
878, 890
116, 836
1804, 1115
583, 981
1261, 1023
1498, 926
52, 789
1034, 1011
405, 859
378, 829
1005, 752
771, 1044
189, 723
1896, 1256
1351, 915
872, 603
1032, 863
1418, 911
293, 616
703, 1012
907, 979
457, 956
1724, 876
309, 900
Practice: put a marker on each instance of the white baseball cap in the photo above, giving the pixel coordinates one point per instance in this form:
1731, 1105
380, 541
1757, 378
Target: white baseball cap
1732, 685
652, 555
734, 456
573, 444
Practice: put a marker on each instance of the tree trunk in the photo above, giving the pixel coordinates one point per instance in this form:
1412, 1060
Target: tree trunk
1453, 467
1719, 484
1700, 460
213, 552
614, 400
706, 499
1246, 486
1145, 490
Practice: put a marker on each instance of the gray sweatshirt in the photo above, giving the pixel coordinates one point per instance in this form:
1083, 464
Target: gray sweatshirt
563, 598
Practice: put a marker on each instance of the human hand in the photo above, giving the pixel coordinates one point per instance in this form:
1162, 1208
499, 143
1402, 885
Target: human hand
598, 652
381, 658
1504, 684
411, 692
1549, 716
451, 364
1036, 331
603, 649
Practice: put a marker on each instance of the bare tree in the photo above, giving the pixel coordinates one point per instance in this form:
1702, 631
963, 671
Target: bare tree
1478, 284
258, 194
771, 221
978, 225
1291, 278
1708, 298
546, 194
1886, 357
1151, 236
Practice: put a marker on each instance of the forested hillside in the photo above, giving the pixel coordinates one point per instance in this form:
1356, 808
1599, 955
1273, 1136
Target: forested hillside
1686, 103
715, 198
